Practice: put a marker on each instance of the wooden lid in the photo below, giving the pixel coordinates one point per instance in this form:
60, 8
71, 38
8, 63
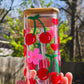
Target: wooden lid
40, 11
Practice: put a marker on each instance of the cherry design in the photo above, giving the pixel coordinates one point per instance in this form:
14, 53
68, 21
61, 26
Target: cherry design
45, 64
42, 74
45, 37
52, 57
30, 39
55, 21
54, 46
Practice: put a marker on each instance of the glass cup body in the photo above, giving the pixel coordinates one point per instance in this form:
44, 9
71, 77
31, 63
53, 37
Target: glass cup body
41, 49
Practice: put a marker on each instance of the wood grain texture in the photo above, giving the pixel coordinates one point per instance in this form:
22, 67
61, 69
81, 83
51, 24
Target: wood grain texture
11, 70
47, 21
40, 11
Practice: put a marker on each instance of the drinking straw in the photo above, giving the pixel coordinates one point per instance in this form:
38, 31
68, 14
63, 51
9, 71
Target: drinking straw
37, 3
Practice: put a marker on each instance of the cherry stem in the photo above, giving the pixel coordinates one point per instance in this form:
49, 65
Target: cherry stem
36, 17
34, 27
52, 57
50, 66
57, 67
42, 24
34, 23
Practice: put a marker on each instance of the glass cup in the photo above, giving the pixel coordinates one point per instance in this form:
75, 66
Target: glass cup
41, 46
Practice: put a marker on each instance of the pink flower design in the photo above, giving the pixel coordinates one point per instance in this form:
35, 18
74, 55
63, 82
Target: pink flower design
52, 31
34, 56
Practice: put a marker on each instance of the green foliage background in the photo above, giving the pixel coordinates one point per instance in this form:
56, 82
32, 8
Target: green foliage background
17, 41
16, 38
16, 33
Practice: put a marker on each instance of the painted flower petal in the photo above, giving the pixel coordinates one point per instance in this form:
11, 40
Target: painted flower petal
34, 55
35, 61
29, 53
29, 60
39, 56
36, 50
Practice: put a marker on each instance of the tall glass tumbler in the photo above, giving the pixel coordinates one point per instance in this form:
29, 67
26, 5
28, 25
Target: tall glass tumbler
41, 46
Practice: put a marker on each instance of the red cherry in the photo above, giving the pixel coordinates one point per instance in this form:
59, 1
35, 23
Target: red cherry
42, 74
45, 37
30, 39
31, 66
44, 61
25, 71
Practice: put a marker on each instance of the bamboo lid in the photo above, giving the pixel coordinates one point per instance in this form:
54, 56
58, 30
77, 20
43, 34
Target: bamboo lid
40, 11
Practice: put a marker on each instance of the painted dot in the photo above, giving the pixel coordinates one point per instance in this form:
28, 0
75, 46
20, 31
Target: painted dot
25, 71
